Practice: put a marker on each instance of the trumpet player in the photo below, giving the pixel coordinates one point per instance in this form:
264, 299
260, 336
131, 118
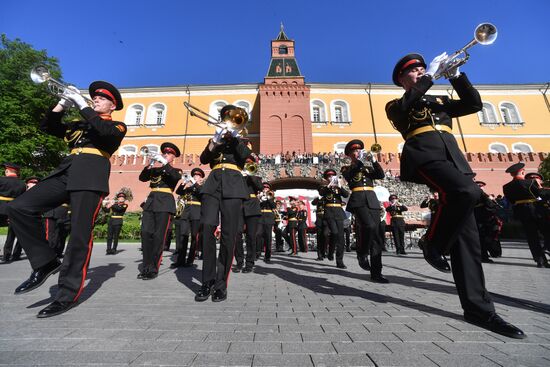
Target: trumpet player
364, 205
396, 209
302, 226
190, 191
278, 227
431, 156
321, 228
291, 228
116, 218
334, 215
267, 206
223, 193
158, 208
11, 186
82, 179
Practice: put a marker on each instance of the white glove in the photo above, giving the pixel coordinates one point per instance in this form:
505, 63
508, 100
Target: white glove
236, 133
65, 103
373, 157
192, 180
159, 158
74, 95
218, 136
436, 64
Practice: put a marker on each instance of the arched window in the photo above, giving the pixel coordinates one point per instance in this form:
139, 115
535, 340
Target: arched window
134, 115
246, 106
340, 112
318, 111
510, 114
487, 116
339, 147
156, 114
153, 148
283, 50
498, 148
127, 150
215, 108
521, 148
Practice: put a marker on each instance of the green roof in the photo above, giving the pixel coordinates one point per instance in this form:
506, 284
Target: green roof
283, 68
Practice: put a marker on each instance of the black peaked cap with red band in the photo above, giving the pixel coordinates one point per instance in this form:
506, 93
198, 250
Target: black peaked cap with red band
407, 62
392, 196
480, 183
353, 144
329, 171
171, 148
121, 195
12, 166
197, 171
533, 175
107, 90
32, 179
267, 185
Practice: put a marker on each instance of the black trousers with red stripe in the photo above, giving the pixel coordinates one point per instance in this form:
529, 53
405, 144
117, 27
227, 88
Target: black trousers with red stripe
264, 239
290, 236
369, 240
154, 229
453, 230
25, 214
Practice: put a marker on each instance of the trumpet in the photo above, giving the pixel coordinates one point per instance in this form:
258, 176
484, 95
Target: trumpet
484, 34
235, 120
40, 74
153, 157
186, 177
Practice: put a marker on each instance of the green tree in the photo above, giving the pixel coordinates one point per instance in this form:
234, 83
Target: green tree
544, 170
22, 105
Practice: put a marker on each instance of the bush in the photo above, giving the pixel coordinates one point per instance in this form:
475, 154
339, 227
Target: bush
131, 228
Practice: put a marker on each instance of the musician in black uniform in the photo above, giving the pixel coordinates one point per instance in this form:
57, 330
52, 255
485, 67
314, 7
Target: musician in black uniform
116, 220
364, 205
58, 227
542, 208
485, 213
302, 226
10, 188
396, 210
222, 195
431, 156
158, 208
249, 221
334, 215
265, 228
82, 179
431, 202
291, 228
279, 242
523, 194
190, 191
321, 229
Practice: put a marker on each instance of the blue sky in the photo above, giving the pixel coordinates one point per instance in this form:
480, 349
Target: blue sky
165, 43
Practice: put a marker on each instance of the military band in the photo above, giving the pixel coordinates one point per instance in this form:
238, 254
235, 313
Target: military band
396, 210
267, 222
116, 212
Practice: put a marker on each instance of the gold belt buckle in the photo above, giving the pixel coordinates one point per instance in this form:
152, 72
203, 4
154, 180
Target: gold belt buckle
78, 150
438, 127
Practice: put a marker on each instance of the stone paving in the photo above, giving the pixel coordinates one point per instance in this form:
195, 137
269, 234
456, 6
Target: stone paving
293, 312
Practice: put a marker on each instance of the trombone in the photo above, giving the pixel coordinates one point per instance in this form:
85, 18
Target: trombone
235, 120
484, 34
40, 74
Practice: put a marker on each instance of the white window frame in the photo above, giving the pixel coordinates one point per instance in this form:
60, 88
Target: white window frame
481, 116
123, 152
516, 109
498, 143
152, 115
323, 118
243, 103
516, 150
339, 146
213, 108
130, 118
346, 112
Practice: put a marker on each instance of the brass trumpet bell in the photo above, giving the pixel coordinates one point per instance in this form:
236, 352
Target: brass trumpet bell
232, 118
251, 168
40, 74
376, 148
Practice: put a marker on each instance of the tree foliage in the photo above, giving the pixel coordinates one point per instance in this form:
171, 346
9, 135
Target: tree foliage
544, 170
22, 105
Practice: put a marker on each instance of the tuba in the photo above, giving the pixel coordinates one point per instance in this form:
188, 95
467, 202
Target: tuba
40, 74
484, 34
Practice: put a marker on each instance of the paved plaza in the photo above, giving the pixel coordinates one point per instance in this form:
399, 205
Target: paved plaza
293, 312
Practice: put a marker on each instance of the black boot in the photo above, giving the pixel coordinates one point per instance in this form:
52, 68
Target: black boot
39, 276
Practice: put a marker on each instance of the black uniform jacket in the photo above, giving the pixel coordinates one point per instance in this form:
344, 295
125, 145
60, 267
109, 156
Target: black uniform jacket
519, 189
86, 171
251, 206
319, 202
160, 177
431, 204
268, 208
485, 210
416, 109
10, 187
118, 210
61, 212
333, 196
302, 218
229, 181
396, 211
357, 175
191, 196
290, 215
